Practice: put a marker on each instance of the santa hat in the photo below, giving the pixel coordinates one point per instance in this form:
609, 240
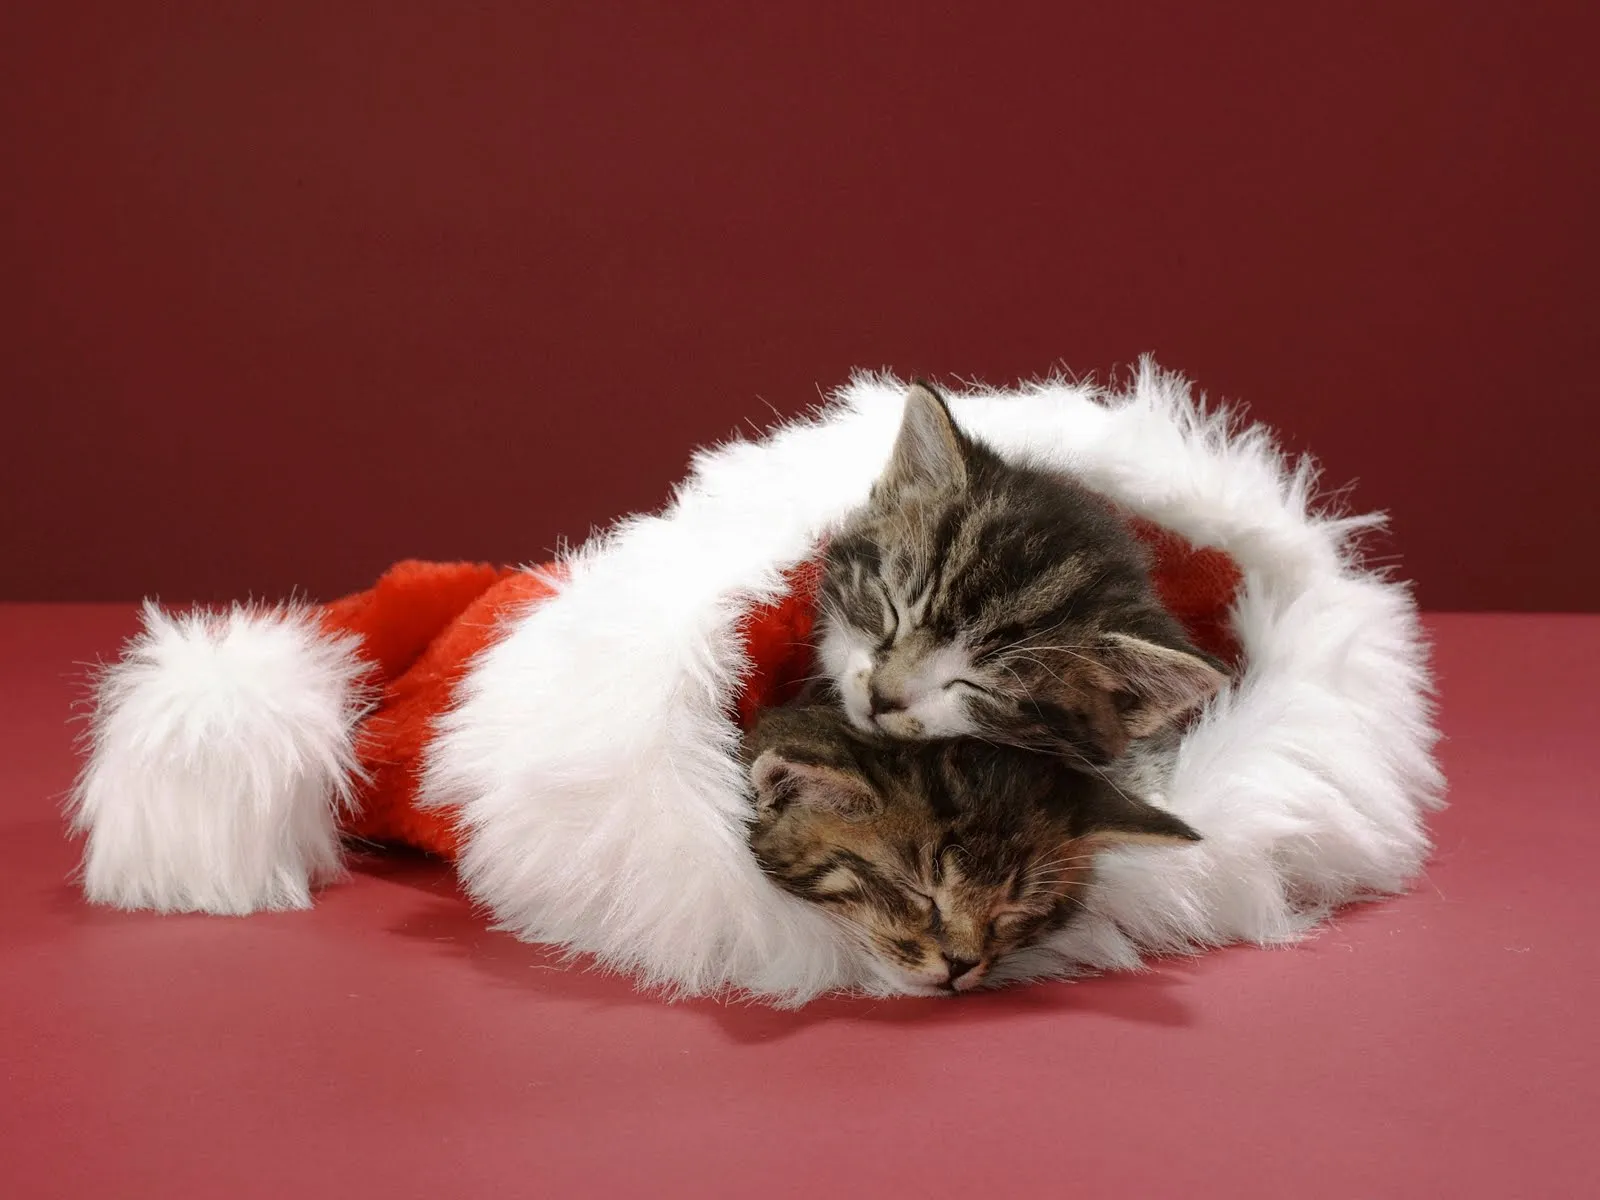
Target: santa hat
568, 734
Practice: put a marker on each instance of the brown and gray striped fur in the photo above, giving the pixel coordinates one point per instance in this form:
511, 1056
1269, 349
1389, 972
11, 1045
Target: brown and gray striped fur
975, 596
938, 858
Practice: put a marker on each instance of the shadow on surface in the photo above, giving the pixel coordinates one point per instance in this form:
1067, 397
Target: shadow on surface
449, 923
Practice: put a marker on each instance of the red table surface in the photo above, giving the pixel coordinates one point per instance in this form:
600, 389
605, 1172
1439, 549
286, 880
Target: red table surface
1445, 1043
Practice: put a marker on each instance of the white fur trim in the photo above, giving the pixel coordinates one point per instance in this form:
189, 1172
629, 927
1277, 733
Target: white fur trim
221, 751
593, 761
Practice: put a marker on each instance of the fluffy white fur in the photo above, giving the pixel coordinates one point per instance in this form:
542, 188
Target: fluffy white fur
593, 761
221, 752
592, 757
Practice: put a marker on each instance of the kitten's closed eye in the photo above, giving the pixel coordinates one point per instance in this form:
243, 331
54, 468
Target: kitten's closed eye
969, 685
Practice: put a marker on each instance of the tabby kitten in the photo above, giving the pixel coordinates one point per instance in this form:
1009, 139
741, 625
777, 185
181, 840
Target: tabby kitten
938, 858
972, 596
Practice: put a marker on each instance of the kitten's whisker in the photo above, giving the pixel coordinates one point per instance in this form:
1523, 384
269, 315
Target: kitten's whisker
1068, 872
1111, 783
1063, 862
1005, 666
1043, 666
821, 675
1068, 858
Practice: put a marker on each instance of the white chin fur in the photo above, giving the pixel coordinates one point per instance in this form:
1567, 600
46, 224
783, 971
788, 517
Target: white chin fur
221, 752
895, 981
848, 663
938, 716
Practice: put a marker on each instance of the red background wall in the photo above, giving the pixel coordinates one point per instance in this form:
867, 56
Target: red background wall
291, 290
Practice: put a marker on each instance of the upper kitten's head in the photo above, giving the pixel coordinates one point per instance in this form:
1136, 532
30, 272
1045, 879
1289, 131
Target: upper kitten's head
938, 858
975, 596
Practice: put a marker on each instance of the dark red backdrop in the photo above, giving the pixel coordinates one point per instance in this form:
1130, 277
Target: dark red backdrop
291, 290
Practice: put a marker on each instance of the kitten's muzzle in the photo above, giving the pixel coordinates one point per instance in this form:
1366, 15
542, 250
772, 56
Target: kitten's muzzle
879, 702
964, 973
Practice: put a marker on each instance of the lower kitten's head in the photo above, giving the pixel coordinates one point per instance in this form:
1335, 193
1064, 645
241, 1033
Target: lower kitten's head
938, 858
976, 596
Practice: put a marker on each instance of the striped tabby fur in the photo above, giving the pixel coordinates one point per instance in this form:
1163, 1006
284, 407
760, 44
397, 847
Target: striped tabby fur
972, 596
938, 858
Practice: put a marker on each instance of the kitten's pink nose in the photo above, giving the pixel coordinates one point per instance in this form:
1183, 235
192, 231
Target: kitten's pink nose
879, 703
959, 967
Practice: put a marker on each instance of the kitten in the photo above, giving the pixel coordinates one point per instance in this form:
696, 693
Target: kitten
972, 596
939, 858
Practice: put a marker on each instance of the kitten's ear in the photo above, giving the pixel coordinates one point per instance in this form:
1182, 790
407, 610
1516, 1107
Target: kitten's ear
1161, 683
930, 453
781, 781
1119, 819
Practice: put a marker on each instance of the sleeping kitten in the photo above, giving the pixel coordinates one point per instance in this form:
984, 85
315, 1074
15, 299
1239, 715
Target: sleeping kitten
972, 596
939, 858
